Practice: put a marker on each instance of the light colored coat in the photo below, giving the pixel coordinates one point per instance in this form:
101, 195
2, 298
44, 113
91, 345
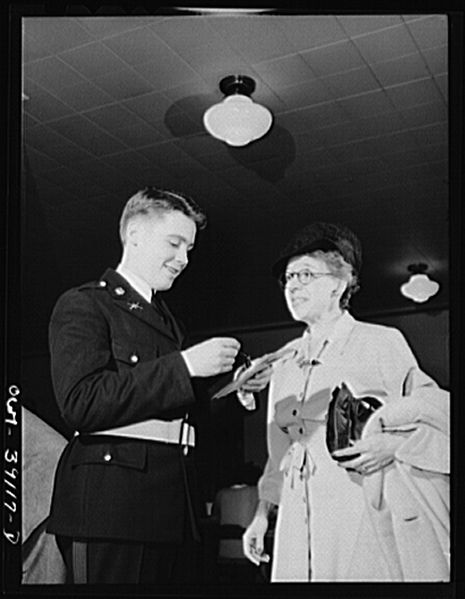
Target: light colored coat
337, 525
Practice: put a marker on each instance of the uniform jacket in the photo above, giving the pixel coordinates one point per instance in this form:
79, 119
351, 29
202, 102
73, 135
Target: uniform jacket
115, 362
349, 524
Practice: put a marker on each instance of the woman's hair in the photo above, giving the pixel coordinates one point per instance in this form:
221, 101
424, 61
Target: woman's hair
342, 270
154, 200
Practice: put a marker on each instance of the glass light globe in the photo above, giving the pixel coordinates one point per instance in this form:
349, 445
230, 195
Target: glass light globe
237, 120
419, 288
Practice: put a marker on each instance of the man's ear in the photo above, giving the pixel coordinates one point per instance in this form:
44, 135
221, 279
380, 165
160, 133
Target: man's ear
133, 232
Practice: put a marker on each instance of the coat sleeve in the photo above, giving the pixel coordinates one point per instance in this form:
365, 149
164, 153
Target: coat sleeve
92, 392
416, 406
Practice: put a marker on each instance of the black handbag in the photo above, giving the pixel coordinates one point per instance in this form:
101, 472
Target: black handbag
347, 415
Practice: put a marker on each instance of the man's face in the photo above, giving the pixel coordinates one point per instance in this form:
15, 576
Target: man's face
159, 245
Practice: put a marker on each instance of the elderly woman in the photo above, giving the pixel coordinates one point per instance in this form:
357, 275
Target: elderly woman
379, 512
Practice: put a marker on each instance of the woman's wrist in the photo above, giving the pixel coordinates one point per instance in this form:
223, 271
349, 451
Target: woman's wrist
264, 508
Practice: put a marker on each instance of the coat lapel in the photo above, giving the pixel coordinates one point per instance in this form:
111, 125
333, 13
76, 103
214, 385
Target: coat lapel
127, 299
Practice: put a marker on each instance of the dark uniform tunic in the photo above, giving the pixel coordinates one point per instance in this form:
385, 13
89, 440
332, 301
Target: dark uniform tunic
114, 363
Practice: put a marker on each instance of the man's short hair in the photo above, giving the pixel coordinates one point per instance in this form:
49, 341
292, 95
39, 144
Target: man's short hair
154, 200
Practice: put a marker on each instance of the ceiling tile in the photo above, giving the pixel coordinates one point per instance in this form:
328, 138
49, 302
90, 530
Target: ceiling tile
351, 83
83, 96
426, 114
379, 125
284, 71
357, 149
214, 57
395, 142
35, 48
432, 134
430, 31
397, 160
163, 153
28, 121
51, 73
126, 160
202, 145
341, 133
72, 181
401, 70
313, 117
54, 145
162, 75
424, 172
112, 116
367, 104
92, 60
196, 88
436, 153
303, 94
138, 135
436, 59
362, 24
255, 38
140, 45
415, 93
123, 83
38, 161
187, 168
216, 161
393, 42
101, 27
178, 124
42, 105
332, 59
81, 131
182, 32
56, 33
311, 31
442, 82
151, 107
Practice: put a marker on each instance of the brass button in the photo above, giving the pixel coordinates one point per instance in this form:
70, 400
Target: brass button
102, 283
107, 457
301, 430
294, 412
134, 358
120, 291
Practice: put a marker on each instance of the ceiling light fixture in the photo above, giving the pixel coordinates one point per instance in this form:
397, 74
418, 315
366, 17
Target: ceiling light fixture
419, 287
237, 119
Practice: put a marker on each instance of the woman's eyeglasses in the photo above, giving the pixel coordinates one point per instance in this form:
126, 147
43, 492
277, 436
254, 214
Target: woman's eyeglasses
304, 277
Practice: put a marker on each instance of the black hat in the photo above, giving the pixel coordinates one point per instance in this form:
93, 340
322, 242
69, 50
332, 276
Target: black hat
322, 236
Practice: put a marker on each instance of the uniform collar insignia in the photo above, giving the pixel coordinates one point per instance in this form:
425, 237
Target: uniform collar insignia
134, 306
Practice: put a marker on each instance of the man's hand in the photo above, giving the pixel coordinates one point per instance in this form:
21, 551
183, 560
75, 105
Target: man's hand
211, 357
376, 451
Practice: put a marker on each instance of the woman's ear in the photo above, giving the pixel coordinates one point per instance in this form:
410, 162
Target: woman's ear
341, 287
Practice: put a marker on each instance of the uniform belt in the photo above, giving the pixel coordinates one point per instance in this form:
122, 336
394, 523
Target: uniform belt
166, 431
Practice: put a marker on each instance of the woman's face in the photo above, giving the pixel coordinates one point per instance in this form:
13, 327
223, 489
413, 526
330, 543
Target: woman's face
311, 298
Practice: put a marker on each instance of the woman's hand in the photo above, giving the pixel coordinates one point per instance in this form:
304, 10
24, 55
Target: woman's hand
258, 382
376, 452
253, 540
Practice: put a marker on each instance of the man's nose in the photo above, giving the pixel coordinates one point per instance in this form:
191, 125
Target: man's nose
182, 256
